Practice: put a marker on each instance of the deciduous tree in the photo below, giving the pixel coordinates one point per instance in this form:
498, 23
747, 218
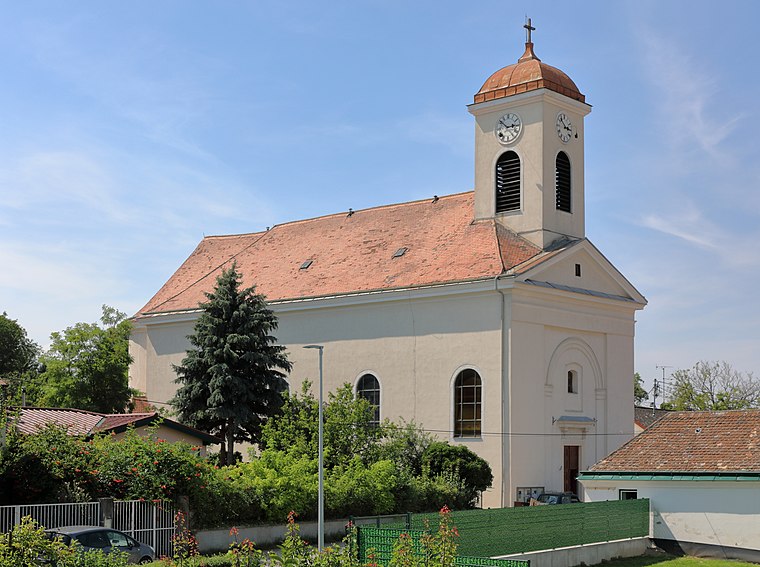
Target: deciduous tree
348, 428
18, 355
87, 365
713, 386
639, 393
232, 378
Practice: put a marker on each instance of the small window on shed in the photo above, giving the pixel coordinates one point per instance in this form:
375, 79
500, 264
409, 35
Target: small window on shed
628, 494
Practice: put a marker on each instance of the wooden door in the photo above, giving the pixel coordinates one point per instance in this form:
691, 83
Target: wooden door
572, 454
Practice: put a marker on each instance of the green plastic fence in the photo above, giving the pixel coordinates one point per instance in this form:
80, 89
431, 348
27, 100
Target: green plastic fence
503, 531
376, 546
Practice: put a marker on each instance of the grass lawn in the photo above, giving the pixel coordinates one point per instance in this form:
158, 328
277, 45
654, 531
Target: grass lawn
663, 560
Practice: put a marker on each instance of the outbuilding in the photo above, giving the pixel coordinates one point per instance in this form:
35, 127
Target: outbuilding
701, 473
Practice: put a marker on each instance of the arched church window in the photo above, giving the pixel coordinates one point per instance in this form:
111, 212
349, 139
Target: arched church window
572, 382
467, 404
368, 388
562, 179
508, 182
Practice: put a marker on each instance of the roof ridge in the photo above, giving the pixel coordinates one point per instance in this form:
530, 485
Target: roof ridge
344, 213
77, 410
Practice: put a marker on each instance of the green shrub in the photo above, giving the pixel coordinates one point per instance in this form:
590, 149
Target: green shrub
458, 461
358, 489
277, 482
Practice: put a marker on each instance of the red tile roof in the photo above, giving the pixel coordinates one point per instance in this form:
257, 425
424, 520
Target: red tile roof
699, 441
352, 252
78, 422
114, 420
84, 423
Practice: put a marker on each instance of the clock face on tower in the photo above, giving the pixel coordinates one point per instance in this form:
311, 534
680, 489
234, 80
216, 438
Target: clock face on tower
508, 128
564, 127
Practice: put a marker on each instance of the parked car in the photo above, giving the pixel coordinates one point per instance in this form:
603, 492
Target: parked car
105, 539
557, 498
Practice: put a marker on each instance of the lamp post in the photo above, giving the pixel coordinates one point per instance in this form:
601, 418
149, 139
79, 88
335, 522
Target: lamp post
321, 463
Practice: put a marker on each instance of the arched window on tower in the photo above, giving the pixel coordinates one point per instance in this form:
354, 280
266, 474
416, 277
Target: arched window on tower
467, 404
368, 388
508, 182
562, 179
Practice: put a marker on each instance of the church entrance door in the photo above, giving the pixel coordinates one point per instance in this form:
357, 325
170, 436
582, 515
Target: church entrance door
572, 453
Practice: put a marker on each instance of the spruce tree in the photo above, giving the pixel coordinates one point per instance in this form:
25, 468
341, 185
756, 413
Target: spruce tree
232, 379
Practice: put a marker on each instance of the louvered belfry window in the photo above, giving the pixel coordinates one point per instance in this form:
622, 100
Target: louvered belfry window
564, 202
508, 182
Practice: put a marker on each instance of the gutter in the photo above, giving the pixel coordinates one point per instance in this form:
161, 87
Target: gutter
671, 475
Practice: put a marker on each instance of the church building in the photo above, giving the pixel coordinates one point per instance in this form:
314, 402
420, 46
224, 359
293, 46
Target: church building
486, 316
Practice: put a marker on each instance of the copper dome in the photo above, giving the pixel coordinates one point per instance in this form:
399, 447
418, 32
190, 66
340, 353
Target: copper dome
528, 74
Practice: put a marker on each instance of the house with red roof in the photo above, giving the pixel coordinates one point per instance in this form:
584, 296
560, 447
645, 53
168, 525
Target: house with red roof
701, 473
486, 316
83, 423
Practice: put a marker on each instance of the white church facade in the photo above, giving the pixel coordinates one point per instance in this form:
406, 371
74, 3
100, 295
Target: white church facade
486, 317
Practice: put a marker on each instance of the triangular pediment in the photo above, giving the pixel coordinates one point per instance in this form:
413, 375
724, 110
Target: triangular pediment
578, 266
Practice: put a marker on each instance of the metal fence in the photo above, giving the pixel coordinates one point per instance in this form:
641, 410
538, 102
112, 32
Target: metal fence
148, 522
504, 531
375, 545
51, 515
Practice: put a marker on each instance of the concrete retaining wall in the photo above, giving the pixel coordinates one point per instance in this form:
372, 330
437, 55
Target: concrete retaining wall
210, 541
589, 554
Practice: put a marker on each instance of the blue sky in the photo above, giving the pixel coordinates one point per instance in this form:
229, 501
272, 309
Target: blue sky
130, 130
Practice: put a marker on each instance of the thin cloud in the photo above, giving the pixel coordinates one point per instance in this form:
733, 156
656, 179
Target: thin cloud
442, 129
686, 98
49, 180
690, 227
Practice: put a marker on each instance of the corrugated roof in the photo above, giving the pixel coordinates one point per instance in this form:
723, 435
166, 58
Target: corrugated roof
690, 442
353, 253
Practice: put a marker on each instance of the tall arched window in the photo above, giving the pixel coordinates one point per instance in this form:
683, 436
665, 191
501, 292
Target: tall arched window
368, 388
467, 404
562, 180
508, 182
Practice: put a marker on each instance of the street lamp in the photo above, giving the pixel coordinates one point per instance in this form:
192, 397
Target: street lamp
321, 463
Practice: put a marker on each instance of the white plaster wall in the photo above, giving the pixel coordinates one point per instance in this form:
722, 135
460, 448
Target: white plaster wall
415, 347
547, 338
537, 146
416, 344
170, 435
723, 513
593, 276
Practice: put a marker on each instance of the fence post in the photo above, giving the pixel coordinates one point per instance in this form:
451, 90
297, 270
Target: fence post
17, 515
105, 515
408, 520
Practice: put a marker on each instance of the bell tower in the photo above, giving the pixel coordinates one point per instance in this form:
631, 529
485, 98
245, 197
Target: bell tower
529, 150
